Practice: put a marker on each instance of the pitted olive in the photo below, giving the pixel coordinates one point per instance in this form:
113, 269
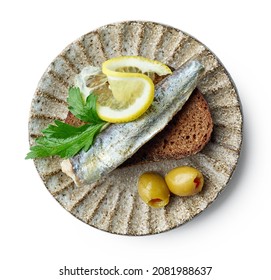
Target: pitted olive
153, 189
184, 180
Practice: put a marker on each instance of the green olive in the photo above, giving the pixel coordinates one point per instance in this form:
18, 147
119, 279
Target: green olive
184, 180
153, 189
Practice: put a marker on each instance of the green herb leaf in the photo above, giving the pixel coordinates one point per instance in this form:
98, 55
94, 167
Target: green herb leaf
64, 140
83, 110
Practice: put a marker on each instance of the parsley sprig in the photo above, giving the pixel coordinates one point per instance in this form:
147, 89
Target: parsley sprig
83, 110
65, 140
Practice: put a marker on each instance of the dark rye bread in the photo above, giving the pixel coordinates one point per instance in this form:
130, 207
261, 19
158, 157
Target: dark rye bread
186, 134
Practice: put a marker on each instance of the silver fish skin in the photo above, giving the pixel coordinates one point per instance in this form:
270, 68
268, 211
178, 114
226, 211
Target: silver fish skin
120, 141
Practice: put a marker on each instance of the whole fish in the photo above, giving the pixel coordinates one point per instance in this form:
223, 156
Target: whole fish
120, 141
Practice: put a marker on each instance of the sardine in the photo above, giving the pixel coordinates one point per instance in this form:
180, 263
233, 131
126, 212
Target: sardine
118, 142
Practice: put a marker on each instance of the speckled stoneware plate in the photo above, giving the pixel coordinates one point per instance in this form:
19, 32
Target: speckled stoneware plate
114, 205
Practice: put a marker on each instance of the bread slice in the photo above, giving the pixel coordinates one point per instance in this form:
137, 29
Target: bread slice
186, 134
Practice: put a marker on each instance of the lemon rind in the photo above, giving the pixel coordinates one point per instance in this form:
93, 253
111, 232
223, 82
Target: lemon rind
109, 66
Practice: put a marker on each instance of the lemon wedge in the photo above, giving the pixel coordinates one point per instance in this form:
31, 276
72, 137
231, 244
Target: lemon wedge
131, 89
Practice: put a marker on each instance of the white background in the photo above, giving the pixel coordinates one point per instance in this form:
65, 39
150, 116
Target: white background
38, 237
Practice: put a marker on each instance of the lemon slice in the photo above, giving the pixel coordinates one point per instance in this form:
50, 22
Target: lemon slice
144, 65
132, 89
140, 89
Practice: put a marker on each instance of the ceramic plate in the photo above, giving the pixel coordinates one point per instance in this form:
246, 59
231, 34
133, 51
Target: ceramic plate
114, 205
